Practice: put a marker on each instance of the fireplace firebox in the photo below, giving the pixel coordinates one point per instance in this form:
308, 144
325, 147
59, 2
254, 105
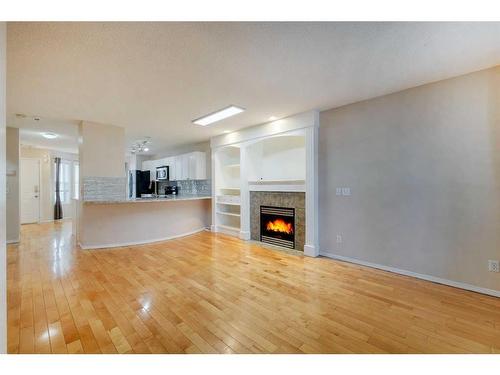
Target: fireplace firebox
277, 226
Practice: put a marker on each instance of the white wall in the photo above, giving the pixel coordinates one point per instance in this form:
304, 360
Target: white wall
3, 269
284, 158
12, 165
424, 169
277, 158
102, 150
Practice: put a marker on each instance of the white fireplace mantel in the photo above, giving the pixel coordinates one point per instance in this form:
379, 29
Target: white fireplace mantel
278, 185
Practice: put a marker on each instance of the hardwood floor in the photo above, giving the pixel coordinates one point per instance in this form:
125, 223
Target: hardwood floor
212, 293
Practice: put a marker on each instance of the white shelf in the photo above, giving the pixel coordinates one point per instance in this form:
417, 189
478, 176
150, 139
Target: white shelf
229, 203
227, 189
228, 213
228, 227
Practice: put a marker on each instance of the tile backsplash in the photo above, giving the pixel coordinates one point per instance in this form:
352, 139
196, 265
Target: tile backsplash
195, 187
104, 188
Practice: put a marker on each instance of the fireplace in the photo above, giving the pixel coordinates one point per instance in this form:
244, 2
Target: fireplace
277, 226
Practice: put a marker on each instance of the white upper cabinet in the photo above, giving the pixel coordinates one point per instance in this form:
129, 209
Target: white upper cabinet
197, 165
191, 166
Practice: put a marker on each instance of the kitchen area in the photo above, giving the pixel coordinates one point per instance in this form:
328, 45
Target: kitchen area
146, 201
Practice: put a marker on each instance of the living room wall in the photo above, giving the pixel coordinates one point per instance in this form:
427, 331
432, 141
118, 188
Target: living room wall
423, 166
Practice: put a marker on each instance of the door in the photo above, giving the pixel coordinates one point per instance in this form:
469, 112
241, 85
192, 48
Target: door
30, 190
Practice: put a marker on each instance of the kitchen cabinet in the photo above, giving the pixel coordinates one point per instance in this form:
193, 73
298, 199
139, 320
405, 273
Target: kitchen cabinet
197, 165
180, 168
190, 166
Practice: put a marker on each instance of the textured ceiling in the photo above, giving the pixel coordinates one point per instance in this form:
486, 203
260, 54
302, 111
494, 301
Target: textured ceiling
154, 78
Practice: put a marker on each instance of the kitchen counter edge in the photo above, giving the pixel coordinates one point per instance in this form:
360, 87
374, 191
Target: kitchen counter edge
148, 200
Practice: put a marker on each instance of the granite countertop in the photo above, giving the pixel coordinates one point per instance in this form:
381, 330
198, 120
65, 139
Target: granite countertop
162, 198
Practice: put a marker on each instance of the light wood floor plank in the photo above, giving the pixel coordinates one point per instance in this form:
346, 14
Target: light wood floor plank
212, 293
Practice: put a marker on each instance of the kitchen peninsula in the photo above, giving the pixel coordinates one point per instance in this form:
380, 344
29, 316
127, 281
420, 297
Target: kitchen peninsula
125, 222
108, 214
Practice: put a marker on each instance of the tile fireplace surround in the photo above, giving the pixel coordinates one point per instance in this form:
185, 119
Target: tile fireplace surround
296, 200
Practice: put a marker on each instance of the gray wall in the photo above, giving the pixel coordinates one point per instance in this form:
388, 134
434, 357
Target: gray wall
3, 268
424, 169
12, 160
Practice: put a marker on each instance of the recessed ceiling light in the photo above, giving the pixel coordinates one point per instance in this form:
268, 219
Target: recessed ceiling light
218, 115
226, 131
272, 118
146, 149
50, 135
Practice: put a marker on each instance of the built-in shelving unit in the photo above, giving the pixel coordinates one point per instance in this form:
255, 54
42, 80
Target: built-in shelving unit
227, 182
280, 156
228, 213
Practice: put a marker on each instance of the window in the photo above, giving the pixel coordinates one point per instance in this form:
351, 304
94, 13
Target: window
65, 182
76, 180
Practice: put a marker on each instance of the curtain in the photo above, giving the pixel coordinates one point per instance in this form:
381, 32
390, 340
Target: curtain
58, 214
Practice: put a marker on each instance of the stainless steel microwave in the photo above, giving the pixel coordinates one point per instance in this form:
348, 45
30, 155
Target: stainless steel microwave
162, 173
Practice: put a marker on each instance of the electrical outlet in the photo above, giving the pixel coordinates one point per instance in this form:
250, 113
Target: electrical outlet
346, 191
339, 238
493, 266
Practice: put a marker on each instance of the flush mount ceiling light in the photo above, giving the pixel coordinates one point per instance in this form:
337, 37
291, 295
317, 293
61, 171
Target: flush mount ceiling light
50, 135
218, 115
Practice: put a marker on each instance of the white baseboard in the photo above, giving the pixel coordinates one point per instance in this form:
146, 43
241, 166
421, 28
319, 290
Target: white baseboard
52, 220
310, 251
434, 279
12, 241
133, 243
244, 235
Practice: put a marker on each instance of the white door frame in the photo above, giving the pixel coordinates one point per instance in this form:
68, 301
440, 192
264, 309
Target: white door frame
40, 189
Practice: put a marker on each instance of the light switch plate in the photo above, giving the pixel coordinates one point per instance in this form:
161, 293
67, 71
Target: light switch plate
338, 191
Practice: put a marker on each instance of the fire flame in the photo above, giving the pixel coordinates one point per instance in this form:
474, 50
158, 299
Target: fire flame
279, 225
